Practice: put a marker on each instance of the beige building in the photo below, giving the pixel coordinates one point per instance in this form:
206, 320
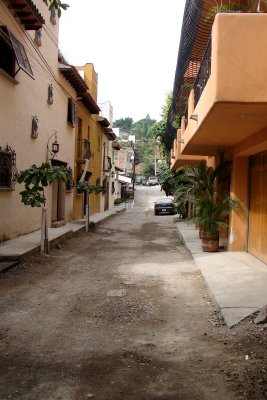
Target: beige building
37, 107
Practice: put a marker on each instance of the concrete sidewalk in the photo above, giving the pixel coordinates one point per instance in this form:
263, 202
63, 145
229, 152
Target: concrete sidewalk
237, 280
25, 245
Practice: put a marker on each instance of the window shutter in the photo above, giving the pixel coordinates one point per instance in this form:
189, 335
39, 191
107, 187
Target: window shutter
72, 113
21, 56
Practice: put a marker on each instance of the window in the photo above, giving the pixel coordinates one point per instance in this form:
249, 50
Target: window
116, 155
8, 168
79, 139
72, 113
86, 149
107, 164
13, 56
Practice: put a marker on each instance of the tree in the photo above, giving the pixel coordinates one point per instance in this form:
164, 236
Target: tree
164, 131
35, 180
124, 123
167, 178
57, 5
142, 128
86, 188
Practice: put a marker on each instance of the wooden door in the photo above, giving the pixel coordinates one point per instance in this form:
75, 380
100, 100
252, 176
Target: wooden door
257, 240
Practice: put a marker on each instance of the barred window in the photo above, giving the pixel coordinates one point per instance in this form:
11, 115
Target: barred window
116, 155
8, 168
72, 113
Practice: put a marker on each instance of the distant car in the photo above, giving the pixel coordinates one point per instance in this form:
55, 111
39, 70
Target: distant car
164, 206
152, 181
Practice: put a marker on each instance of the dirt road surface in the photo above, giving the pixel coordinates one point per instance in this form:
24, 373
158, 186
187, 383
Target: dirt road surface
123, 313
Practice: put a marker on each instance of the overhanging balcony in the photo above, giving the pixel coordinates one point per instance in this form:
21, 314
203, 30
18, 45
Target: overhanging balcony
229, 102
178, 159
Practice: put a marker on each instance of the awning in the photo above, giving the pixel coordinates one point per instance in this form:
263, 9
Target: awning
103, 121
125, 179
27, 13
74, 78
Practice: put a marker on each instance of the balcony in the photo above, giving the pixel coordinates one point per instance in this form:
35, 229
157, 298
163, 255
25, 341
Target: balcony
178, 159
228, 105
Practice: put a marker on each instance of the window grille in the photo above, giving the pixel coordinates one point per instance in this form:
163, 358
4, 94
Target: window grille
8, 168
116, 155
72, 113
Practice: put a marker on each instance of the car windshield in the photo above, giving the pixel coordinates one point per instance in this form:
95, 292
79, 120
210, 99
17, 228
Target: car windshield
163, 201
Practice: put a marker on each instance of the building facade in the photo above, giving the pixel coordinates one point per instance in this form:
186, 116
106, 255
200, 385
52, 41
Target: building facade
220, 91
33, 114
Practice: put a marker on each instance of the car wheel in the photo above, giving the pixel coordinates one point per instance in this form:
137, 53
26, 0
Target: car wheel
156, 213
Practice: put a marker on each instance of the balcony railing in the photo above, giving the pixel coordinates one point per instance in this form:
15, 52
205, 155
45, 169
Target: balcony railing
203, 73
186, 116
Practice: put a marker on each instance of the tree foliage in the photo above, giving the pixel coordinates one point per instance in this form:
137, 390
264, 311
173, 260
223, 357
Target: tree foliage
35, 180
57, 5
123, 123
142, 128
164, 131
167, 178
86, 187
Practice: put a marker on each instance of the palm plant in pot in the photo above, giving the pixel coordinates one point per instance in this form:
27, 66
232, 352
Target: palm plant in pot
211, 215
198, 185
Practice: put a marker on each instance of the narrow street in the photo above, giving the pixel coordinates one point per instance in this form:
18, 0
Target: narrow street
121, 313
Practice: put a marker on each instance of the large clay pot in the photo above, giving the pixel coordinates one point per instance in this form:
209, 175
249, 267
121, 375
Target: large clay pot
210, 241
200, 232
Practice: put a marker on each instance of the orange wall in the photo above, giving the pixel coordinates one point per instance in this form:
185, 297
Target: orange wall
239, 190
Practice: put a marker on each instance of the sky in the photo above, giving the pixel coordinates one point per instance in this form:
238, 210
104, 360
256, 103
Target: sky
133, 45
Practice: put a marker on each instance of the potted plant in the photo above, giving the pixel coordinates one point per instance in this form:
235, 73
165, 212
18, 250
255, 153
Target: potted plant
211, 216
200, 185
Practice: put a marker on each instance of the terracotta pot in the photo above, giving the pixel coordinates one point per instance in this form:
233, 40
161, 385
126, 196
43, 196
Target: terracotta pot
200, 232
210, 241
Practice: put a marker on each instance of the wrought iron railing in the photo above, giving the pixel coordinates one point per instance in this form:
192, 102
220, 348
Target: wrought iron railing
203, 73
186, 116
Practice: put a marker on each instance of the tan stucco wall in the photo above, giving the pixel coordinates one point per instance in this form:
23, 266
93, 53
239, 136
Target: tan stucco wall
18, 104
89, 120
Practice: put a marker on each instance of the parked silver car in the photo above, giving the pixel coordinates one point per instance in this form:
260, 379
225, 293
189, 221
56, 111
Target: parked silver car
152, 181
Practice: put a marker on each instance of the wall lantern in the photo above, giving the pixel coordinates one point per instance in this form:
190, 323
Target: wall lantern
50, 154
